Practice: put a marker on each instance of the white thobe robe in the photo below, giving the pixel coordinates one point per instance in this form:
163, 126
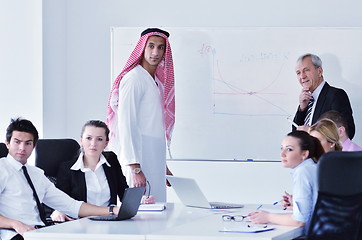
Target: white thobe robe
141, 130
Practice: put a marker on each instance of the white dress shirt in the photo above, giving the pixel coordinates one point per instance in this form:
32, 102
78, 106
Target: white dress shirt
17, 200
98, 192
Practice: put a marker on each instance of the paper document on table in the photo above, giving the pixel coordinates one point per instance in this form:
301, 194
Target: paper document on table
152, 207
247, 229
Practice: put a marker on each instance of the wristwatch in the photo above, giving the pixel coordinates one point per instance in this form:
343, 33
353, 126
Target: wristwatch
136, 170
111, 209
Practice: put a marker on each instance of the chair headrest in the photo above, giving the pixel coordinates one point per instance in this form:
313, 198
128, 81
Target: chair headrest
340, 173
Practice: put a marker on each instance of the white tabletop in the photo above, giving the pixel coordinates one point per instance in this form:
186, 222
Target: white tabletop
176, 222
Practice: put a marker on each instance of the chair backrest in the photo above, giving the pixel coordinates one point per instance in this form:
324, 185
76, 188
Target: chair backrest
50, 153
340, 173
3, 150
338, 211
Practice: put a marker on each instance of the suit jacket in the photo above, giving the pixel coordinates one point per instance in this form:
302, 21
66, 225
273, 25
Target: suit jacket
330, 98
73, 182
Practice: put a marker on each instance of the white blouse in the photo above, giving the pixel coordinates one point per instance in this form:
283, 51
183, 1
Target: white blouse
98, 192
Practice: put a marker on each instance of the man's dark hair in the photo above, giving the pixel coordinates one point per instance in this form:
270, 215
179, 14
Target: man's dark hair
337, 118
21, 125
148, 30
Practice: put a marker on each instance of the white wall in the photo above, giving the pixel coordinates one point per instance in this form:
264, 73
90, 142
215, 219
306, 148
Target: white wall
21, 62
76, 50
241, 182
55, 70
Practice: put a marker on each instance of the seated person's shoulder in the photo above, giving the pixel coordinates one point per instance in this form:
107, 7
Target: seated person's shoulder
111, 157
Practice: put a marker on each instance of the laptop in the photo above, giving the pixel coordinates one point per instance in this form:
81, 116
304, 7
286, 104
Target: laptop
191, 195
130, 203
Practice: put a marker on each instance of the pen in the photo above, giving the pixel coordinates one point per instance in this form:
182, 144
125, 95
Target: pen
293, 123
259, 207
279, 202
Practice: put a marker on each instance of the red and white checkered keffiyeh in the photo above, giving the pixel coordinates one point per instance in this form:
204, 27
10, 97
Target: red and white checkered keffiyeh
164, 72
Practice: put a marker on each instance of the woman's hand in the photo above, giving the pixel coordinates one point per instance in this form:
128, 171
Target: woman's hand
259, 217
287, 201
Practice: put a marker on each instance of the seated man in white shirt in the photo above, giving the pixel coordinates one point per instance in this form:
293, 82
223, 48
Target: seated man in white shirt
20, 208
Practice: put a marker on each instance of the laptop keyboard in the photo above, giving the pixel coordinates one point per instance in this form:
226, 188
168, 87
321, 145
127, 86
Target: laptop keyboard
219, 205
105, 218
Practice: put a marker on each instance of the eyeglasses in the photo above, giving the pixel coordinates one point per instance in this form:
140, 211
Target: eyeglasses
236, 218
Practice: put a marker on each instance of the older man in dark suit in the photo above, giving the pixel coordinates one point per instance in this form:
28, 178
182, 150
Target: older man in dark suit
317, 96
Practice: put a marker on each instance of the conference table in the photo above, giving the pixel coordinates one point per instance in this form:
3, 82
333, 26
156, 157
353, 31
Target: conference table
176, 222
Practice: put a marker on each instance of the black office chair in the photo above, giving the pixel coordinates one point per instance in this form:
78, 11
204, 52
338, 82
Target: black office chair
3, 150
50, 153
338, 211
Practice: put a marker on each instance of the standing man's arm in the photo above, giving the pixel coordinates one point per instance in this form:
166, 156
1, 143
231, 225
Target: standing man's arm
130, 95
304, 97
139, 179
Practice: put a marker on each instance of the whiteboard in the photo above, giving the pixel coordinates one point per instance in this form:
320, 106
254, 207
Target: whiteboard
235, 87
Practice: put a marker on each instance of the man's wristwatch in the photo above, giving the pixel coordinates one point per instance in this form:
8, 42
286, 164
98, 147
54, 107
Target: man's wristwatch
111, 209
136, 170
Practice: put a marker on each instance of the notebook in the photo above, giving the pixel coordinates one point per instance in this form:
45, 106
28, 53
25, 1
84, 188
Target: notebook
158, 207
247, 229
191, 195
130, 203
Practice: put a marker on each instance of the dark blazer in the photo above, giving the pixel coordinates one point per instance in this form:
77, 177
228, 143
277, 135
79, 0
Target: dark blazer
73, 182
330, 98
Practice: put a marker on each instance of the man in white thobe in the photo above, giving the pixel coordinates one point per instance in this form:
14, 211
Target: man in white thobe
141, 113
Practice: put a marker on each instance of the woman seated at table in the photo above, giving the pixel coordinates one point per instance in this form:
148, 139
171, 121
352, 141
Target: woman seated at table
300, 152
327, 133
96, 176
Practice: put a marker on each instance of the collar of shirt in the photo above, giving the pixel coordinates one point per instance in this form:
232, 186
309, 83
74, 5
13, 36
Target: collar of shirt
305, 162
15, 164
156, 81
79, 165
317, 91
347, 143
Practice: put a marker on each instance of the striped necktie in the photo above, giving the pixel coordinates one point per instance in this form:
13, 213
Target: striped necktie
309, 112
